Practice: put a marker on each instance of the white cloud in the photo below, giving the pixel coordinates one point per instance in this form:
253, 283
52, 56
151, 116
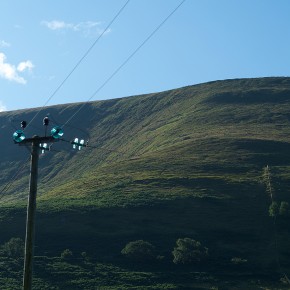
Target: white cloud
2, 107
57, 25
10, 72
3, 43
88, 28
25, 65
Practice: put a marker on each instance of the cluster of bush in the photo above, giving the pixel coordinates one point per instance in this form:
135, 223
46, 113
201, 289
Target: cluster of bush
186, 251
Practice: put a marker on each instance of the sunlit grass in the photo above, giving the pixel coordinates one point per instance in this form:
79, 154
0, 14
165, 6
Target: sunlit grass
182, 163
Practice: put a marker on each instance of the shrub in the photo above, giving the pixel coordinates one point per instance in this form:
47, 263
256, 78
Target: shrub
85, 256
14, 248
274, 209
66, 255
189, 251
139, 250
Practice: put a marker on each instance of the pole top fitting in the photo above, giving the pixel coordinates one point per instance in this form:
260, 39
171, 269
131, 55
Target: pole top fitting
45, 121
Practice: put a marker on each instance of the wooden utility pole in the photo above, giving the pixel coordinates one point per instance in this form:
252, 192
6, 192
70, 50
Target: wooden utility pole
37, 144
31, 208
30, 221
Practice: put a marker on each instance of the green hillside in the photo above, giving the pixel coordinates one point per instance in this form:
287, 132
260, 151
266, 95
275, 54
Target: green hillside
182, 163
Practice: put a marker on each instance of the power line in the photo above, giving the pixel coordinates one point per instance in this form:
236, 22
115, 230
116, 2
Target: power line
114, 73
126, 61
54, 121
81, 59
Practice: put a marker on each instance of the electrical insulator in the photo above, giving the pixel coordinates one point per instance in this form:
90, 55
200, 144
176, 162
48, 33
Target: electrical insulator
18, 136
23, 124
78, 144
43, 147
56, 132
75, 142
45, 121
82, 142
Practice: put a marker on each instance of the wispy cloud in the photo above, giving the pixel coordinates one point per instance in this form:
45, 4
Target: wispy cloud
25, 65
4, 43
2, 107
57, 25
88, 28
11, 72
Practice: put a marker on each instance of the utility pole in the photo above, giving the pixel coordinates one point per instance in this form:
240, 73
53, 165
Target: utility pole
31, 208
37, 144
30, 227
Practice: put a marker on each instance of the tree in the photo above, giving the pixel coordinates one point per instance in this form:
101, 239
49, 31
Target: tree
284, 209
267, 179
188, 251
274, 209
139, 250
14, 248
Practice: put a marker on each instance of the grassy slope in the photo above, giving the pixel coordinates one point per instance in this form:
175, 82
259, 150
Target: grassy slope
187, 162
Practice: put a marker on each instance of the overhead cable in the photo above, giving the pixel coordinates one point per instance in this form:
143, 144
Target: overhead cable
81, 59
125, 62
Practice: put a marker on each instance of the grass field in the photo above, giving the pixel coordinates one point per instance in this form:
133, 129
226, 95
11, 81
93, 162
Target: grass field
159, 167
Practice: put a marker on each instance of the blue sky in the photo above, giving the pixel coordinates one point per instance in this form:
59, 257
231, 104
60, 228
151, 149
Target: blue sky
204, 40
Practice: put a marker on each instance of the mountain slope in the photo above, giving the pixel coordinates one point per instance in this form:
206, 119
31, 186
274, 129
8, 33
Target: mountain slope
186, 162
232, 113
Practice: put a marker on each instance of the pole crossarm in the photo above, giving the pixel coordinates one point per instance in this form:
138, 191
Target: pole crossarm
37, 139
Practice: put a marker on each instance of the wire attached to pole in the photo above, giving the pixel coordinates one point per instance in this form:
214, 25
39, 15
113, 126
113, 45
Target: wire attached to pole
126, 61
81, 59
